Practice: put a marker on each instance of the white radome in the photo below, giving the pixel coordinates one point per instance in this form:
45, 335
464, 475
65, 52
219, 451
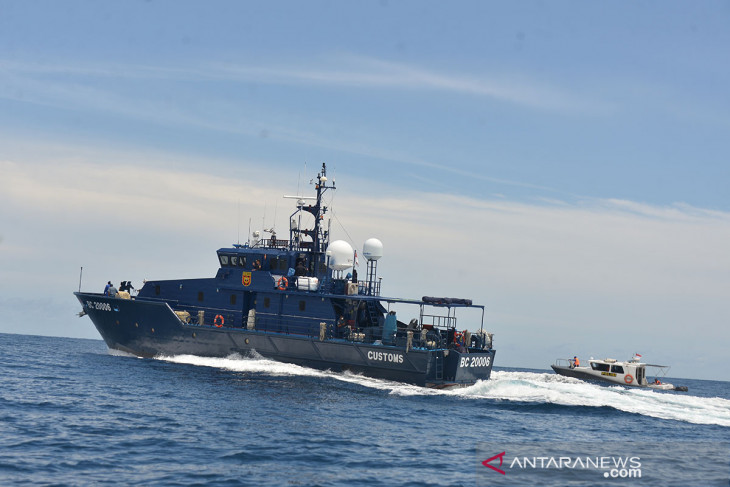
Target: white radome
341, 255
372, 249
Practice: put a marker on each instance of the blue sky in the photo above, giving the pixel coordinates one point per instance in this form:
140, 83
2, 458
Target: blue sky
570, 158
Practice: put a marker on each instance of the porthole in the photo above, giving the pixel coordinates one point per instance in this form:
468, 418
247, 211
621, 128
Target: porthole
153, 330
136, 325
247, 340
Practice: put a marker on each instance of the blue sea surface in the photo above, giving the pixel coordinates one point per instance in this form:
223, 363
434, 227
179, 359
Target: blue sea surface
74, 413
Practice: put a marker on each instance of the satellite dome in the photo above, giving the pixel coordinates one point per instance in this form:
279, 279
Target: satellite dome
372, 249
341, 255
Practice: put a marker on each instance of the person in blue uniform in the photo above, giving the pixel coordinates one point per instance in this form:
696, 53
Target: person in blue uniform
106, 288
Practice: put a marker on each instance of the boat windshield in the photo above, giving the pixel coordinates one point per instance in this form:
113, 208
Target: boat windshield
599, 366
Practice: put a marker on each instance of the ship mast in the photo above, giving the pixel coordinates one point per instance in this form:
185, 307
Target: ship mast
320, 237
318, 234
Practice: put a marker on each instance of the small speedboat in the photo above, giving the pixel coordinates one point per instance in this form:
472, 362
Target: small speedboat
632, 373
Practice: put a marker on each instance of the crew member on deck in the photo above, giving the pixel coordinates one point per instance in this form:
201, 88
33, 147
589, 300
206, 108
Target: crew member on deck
126, 286
106, 288
575, 362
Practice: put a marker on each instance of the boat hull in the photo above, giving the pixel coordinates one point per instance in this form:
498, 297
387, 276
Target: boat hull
586, 373
149, 328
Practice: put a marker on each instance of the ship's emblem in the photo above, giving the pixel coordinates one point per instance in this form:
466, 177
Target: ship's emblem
246, 279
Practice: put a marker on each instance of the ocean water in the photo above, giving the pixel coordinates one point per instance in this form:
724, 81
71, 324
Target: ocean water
73, 413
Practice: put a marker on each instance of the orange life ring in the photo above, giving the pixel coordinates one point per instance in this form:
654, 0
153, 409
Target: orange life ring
215, 321
282, 284
629, 378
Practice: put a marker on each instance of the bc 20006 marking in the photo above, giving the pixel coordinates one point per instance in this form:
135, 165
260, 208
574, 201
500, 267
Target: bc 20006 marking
482, 361
99, 306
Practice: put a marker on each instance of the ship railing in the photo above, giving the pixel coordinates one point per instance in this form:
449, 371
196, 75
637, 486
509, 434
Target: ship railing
272, 323
422, 337
274, 243
367, 288
346, 287
438, 321
430, 340
202, 316
562, 362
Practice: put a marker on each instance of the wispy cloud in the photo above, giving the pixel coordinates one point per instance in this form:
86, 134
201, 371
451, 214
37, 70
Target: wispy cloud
345, 71
30, 84
370, 73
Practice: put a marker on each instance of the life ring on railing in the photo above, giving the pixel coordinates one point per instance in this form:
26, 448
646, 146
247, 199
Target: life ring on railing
215, 321
282, 284
629, 378
458, 338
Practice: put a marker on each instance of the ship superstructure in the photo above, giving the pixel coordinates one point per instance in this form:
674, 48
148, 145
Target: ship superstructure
300, 301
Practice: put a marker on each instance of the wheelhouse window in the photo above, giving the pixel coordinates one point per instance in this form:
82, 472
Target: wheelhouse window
241, 261
223, 259
234, 260
599, 367
617, 368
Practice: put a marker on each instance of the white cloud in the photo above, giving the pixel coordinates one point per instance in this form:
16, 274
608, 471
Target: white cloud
591, 277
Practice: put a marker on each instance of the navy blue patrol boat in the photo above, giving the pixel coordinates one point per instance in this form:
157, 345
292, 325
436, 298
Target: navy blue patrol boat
292, 301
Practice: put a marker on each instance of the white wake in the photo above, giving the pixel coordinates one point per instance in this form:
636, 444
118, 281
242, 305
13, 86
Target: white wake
539, 388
